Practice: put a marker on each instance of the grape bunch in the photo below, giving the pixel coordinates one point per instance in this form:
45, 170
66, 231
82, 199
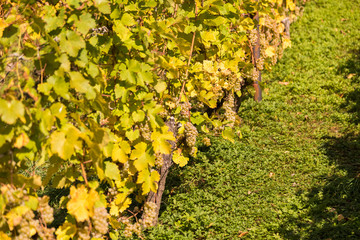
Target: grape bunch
206, 141
45, 210
83, 233
185, 109
100, 220
260, 64
159, 160
43, 232
9, 195
253, 36
145, 131
149, 215
25, 225
230, 114
190, 134
255, 74
24, 230
132, 228
112, 191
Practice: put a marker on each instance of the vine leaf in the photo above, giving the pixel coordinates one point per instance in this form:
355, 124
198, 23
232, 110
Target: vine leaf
141, 157
112, 171
71, 43
21, 140
66, 231
82, 85
85, 23
179, 158
81, 203
160, 140
148, 180
11, 111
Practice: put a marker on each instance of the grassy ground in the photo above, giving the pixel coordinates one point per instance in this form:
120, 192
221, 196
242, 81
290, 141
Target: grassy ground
295, 172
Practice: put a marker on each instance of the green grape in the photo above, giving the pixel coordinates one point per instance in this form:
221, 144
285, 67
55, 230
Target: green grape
159, 160
84, 233
206, 141
145, 131
45, 210
190, 134
100, 220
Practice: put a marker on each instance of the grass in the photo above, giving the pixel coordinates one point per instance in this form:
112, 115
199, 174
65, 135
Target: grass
295, 172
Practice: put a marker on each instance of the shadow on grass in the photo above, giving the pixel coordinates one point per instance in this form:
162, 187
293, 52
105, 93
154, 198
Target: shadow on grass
332, 210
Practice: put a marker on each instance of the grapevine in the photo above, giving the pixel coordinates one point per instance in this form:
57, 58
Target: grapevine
88, 89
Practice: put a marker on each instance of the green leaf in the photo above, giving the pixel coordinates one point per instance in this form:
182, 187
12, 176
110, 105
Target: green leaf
229, 134
71, 43
120, 92
57, 141
138, 116
103, 6
122, 31
127, 20
93, 70
85, 23
60, 86
32, 203
82, 85
11, 111
112, 171
58, 110
65, 142
132, 135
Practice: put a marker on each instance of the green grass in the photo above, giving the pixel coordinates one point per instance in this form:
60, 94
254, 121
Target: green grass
294, 174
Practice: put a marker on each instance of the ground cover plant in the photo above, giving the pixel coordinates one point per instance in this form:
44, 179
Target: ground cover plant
294, 174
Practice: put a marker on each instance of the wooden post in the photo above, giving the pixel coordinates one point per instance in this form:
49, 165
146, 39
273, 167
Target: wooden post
156, 197
256, 52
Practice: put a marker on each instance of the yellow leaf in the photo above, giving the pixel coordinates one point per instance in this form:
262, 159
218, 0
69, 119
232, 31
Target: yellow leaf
114, 209
148, 180
114, 223
209, 36
286, 43
351, 75
2, 234
176, 63
179, 158
290, 5
81, 203
270, 51
160, 140
66, 231
3, 25
118, 154
122, 202
208, 66
142, 158
281, 28
21, 140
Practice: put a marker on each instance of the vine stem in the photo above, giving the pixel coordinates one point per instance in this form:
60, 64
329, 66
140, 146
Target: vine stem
189, 60
83, 170
84, 174
252, 53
